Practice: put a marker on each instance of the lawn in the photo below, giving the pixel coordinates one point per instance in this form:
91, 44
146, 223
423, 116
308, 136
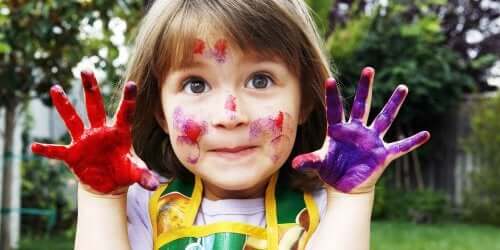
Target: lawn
385, 236
407, 236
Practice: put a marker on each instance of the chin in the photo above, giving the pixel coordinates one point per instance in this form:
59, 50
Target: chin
235, 177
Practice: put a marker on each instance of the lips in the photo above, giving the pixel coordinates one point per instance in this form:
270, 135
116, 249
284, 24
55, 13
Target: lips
233, 150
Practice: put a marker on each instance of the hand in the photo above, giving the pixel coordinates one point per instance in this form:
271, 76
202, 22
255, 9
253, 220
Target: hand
99, 156
354, 155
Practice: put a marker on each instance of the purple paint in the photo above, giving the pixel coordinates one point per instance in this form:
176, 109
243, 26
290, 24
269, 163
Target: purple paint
356, 151
362, 93
273, 128
190, 134
385, 118
219, 51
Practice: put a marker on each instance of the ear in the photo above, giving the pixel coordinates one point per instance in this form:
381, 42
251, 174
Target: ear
161, 120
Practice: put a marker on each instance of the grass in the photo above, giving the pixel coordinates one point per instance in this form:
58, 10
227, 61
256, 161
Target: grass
407, 236
386, 235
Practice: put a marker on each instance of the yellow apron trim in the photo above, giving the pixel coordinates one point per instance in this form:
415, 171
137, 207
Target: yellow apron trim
153, 211
195, 202
313, 212
201, 231
271, 216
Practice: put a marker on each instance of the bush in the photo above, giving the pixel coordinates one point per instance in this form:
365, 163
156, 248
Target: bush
419, 206
482, 202
45, 197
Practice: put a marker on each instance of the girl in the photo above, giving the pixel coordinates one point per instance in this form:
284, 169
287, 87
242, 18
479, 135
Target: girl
229, 102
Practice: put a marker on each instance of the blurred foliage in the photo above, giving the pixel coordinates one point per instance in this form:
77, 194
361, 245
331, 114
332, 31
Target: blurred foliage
482, 199
409, 52
44, 186
419, 206
41, 41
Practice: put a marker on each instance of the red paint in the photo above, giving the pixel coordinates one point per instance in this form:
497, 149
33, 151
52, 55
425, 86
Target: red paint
190, 133
300, 160
278, 122
220, 50
93, 99
100, 156
199, 47
230, 103
192, 130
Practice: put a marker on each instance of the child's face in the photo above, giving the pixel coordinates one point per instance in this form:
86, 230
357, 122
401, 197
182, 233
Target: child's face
231, 117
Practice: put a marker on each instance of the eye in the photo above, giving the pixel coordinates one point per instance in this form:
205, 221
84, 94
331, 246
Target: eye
259, 81
195, 85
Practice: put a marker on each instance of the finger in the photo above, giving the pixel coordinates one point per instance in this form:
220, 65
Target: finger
125, 114
385, 118
399, 148
66, 111
334, 109
149, 180
52, 151
307, 161
142, 175
93, 100
362, 100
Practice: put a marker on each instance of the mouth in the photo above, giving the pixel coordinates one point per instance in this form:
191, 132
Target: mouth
234, 153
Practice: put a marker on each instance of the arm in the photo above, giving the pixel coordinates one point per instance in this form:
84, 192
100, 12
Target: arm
350, 162
102, 160
101, 222
346, 223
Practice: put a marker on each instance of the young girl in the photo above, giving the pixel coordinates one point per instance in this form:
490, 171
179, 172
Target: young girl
225, 100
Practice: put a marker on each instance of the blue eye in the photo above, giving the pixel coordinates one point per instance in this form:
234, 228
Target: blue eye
195, 86
259, 81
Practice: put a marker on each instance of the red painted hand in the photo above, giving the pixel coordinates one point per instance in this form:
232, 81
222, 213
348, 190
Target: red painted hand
100, 156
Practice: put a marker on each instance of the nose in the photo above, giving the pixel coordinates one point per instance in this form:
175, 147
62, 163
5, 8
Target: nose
230, 115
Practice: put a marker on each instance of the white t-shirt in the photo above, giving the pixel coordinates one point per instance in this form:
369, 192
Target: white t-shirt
250, 211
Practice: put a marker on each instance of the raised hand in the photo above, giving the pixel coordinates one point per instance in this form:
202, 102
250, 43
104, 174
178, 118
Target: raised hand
99, 156
354, 155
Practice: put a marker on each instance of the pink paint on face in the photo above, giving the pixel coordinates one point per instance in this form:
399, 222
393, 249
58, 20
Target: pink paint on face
230, 103
230, 107
199, 47
190, 133
271, 129
219, 50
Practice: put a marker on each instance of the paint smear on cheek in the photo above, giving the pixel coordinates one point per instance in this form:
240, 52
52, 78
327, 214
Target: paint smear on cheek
190, 132
219, 51
271, 129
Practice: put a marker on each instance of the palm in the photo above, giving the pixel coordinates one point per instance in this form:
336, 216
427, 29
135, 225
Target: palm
354, 155
99, 156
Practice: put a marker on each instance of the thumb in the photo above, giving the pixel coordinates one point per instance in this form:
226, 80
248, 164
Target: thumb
307, 161
142, 175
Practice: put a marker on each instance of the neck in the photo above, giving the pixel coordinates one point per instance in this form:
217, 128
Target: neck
215, 193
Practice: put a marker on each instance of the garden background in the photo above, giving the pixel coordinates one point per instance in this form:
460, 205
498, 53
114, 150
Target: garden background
443, 196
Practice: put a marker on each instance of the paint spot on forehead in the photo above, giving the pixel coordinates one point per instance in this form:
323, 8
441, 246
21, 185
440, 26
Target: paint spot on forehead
199, 47
219, 50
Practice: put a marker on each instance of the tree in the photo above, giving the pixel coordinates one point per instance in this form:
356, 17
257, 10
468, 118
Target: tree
40, 43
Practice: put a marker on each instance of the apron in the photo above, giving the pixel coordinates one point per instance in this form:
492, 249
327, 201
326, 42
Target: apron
291, 218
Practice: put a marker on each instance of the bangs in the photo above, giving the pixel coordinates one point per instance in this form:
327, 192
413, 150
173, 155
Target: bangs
238, 23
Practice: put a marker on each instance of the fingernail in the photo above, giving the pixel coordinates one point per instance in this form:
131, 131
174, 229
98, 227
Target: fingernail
130, 91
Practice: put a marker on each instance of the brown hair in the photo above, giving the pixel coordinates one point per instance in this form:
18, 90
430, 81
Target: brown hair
282, 28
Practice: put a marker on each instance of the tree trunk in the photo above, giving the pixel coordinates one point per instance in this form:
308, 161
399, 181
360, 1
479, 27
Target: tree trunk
10, 192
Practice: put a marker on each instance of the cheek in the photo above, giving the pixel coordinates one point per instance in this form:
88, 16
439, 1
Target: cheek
276, 132
186, 134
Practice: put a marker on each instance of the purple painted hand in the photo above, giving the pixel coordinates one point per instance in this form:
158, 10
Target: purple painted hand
354, 155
